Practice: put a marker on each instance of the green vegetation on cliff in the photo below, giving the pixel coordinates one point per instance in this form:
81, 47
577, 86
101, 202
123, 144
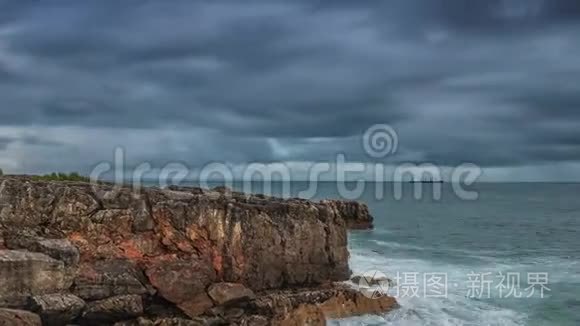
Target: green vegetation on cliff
73, 176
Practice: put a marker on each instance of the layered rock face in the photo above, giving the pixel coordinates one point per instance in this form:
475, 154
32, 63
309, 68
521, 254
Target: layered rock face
74, 252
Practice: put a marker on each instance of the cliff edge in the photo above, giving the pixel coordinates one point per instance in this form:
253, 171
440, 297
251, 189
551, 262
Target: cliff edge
98, 255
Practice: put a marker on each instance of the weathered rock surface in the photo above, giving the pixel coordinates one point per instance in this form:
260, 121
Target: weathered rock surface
106, 278
294, 307
57, 309
11, 317
356, 216
59, 249
238, 234
228, 293
145, 253
23, 274
315, 306
184, 283
172, 322
113, 309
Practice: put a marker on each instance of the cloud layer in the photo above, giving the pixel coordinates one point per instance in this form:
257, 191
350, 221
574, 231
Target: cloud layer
489, 82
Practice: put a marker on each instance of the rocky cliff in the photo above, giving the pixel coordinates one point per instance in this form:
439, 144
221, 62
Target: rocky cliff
73, 252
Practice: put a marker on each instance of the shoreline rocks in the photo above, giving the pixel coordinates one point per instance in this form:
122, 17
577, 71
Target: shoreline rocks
77, 253
315, 306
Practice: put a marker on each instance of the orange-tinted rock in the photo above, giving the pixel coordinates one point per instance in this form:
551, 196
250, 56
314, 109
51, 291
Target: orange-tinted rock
170, 245
300, 242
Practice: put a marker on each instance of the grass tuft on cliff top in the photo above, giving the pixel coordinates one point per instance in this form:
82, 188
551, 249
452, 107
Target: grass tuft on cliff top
73, 176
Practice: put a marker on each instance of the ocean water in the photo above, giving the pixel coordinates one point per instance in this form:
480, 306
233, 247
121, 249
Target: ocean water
527, 230
523, 229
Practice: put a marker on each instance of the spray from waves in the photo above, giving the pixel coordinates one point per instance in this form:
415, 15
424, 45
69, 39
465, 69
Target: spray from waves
456, 309
395, 245
476, 254
491, 257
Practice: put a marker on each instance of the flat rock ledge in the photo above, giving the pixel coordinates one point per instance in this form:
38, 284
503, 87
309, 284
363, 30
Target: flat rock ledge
75, 253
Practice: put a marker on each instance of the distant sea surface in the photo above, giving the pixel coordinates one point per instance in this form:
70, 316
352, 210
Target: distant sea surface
525, 229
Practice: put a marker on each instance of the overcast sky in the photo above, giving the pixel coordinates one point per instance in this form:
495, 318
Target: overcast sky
495, 83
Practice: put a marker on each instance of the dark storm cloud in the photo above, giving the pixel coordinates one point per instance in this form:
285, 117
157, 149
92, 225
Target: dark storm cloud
243, 68
465, 16
490, 82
